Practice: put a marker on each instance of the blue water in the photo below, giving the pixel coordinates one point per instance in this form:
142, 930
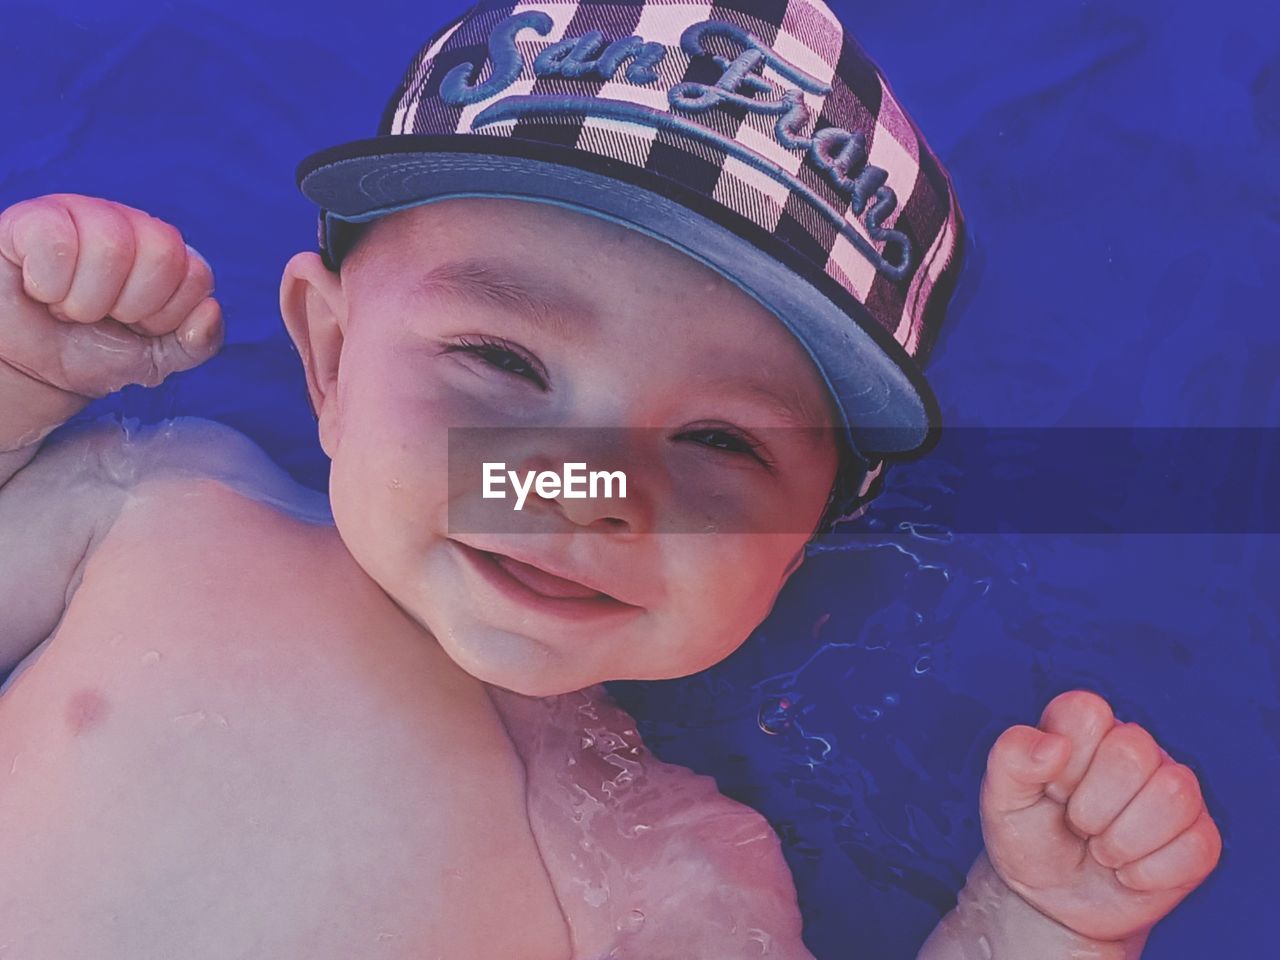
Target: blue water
1118, 164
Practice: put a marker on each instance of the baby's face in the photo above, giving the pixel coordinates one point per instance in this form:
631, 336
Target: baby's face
503, 313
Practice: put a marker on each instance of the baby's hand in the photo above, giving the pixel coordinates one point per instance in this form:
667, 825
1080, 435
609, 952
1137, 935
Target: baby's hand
95, 295
1091, 822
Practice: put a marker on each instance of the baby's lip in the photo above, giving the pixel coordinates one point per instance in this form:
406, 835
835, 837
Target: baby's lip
547, 577
547, 584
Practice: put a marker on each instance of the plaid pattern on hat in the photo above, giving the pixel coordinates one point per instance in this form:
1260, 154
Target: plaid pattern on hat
764, 116
806, 34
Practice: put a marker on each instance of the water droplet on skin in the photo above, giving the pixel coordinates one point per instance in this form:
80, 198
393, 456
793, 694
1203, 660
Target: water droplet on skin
151, 656
14, 766
197, 716
985, 946
394, 483
386, 936
632, 922
609, 741
755, 935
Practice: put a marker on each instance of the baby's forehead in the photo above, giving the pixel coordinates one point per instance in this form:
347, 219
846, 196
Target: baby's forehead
646, 297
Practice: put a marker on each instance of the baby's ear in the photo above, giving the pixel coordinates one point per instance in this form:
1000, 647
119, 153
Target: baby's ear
313, 305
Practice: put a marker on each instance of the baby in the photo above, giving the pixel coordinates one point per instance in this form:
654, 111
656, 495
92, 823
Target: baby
251, 721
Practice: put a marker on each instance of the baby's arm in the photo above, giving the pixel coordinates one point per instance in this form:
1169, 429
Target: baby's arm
713, 883
1093, 834
93, 295
648, 859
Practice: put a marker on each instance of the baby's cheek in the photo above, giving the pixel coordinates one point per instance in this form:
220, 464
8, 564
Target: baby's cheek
723, 566
750, 568
371, 504
713, 614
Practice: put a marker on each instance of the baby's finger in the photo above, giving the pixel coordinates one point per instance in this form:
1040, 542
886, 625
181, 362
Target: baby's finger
1124, 761
1183, 862
159, 266
1084, 718
105, 255
198, 338
195, 288
39, 236
1167, 804
1022, 760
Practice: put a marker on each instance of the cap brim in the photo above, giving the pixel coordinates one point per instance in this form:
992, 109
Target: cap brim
887, 405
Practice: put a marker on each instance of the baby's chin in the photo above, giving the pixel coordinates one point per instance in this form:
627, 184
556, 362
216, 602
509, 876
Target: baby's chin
524, 665
521, 664
504, 659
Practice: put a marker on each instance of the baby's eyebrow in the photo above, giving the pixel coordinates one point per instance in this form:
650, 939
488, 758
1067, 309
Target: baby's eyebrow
787, 402
499, 284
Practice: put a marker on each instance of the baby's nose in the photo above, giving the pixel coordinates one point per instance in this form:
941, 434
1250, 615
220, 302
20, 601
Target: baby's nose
596, 479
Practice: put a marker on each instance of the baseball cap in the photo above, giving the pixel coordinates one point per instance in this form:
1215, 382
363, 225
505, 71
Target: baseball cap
753, 135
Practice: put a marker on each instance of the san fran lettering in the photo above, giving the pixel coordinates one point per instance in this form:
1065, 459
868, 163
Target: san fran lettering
840, 154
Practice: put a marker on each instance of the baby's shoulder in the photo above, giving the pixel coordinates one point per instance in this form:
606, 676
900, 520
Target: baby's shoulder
182, 453
646, 855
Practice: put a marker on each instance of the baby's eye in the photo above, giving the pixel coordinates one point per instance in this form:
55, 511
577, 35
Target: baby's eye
728, 440
503, 355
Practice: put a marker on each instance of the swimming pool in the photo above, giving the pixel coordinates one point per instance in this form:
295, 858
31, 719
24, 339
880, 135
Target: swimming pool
1117, 165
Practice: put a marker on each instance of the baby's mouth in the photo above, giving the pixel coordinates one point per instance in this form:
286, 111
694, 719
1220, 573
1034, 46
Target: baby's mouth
549, 585
550, 581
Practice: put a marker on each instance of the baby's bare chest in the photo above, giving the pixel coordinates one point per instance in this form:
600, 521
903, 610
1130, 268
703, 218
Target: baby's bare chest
235, 746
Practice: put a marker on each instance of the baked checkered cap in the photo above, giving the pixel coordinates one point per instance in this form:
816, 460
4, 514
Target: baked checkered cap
754, 135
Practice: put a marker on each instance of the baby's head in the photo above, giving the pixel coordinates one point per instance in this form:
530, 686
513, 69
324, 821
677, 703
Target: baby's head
730, 293
506, 313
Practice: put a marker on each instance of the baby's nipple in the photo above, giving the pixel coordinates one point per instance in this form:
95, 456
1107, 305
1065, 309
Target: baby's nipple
85, 710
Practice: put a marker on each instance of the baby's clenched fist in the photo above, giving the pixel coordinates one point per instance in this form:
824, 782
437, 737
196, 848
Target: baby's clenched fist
95, 295
1092, 823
